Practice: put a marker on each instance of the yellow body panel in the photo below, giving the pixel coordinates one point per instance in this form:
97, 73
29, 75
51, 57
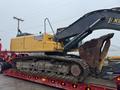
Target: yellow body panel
31, 43
113, 58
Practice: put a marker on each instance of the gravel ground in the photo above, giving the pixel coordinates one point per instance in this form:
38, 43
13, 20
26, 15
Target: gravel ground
10, 83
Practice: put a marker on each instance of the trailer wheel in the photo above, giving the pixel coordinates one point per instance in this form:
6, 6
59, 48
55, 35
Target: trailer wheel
1, 67
118, 87
4, 66
1, 60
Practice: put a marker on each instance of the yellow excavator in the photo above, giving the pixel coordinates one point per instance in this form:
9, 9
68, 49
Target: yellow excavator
47, 54
113, 58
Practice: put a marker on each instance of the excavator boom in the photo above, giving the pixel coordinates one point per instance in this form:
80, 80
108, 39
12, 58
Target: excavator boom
100, 19
110, 19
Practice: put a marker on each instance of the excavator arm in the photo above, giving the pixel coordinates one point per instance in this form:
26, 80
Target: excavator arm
100, 19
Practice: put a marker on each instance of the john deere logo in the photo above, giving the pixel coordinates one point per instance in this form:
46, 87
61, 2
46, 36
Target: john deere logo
114, 20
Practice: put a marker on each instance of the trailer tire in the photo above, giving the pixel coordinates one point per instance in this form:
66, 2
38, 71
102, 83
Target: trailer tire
1, 60
1, 67
4, 66
118, 87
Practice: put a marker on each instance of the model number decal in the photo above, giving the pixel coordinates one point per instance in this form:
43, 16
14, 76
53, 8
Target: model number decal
114, 20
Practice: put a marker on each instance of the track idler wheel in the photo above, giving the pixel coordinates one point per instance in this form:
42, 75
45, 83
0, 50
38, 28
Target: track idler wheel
79, 70
75, 70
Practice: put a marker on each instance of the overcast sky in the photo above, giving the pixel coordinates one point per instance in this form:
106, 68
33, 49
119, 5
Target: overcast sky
60, 12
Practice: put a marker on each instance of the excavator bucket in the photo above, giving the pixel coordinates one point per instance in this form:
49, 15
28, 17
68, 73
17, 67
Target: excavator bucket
95, 51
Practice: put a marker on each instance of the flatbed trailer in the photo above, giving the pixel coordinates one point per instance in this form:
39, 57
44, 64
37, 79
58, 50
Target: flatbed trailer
89, 84
60, 83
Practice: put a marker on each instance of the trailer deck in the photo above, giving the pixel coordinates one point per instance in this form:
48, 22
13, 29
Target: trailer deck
94, 85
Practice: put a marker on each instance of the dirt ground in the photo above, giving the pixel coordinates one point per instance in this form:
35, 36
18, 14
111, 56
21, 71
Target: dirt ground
10, 83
